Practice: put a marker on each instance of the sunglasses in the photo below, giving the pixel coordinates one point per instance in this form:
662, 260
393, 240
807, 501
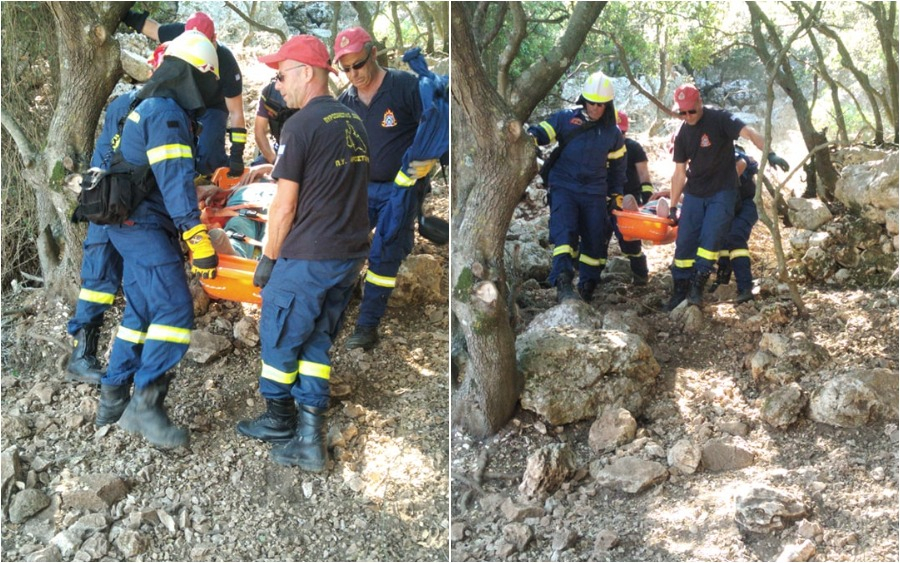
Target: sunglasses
688, 112
357, 65
590, 103
279, 76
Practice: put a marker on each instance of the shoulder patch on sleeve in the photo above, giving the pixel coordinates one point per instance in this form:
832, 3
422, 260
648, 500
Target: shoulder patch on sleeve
172, 124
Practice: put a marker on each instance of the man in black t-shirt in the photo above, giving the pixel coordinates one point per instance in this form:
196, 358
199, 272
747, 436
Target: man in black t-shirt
705, 173
317, 241
230, 105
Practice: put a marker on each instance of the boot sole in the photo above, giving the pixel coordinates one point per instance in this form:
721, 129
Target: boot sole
304, 465
126, 424
278, 440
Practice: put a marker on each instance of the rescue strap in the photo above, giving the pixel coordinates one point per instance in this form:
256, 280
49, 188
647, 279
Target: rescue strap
248, 210
243, 238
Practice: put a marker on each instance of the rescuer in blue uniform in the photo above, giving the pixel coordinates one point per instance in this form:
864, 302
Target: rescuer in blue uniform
637, 185
705, 173
101, 264
389, 104
317, 241
735, 253
590, 170
156, 326
228, 104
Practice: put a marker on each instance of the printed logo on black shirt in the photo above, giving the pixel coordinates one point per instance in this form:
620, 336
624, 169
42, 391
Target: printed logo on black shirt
389, 120
704, 141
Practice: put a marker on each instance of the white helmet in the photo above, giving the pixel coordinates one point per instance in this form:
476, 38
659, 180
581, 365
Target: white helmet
598, 88
195, 49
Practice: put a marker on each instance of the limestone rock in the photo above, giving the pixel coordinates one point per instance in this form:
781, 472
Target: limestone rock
764, 509
726, 454
49, 553
526, 260
803, 551
854, 398
517, 513
547, 469
615, 427
571, 373
809, 214
246, 331
26, 504
628, 321
95, 492
782, 407
569, 314
684, 457
518, 534
871, 184
630, 474
604, 541
10, 471
690, 317
131, 543
418, 281
206, 347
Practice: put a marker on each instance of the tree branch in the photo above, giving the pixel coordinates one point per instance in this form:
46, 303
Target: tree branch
255, 24
12, 127
511, 51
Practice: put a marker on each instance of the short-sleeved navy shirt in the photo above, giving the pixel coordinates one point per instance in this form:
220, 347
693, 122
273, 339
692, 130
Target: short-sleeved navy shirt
708, 146
230, 82
391, 121
273, 107
636, 154
325, 149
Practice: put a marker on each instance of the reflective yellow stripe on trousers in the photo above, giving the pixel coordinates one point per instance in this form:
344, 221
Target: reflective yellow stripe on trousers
740, 253
564, 249
278, 376
131, 335
313, 369
707, 254
684, 263
174, 334
96, 296
381, 281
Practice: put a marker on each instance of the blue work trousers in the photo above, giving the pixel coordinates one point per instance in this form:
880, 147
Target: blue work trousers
159, 313
737, 244
702, 227
392, 213
303, 308
211, 142
578, 226
101, 276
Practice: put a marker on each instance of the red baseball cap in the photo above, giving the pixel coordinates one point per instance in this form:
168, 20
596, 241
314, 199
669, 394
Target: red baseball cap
623, 122
202, 23
351, 40
158, 54
305, 49
687, 96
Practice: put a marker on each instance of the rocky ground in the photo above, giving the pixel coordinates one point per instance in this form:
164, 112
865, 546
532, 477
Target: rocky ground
707, 470
73, 492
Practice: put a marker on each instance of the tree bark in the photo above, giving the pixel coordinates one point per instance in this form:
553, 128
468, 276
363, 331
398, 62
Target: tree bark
493, 162
784, 75
89, 68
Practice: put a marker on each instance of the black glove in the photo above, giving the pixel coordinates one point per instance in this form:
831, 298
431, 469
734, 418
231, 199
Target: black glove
673, 215
263, 271
646, 192
135, 20
776, 160
238, 138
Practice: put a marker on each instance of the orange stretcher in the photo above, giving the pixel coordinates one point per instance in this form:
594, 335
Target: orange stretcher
234, 275
635, 225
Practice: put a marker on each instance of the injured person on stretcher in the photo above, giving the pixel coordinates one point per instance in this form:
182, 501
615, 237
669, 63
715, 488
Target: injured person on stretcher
236, 217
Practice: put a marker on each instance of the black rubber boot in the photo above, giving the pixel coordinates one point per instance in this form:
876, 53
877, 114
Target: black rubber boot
679, 293
276, 425
83, 366
723, 274
565, 291
586, 291
113, 401
640, 274
698, 284
147, 416
744, 295
307, 449
365, 337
